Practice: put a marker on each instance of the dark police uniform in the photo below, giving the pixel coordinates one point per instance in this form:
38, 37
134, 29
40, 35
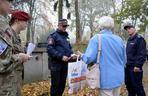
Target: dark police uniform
136, 56
58, 46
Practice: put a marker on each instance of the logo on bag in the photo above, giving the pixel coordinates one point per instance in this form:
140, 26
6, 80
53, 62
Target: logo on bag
74, 72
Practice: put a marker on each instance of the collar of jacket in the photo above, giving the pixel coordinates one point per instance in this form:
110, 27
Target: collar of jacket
133, 37
14, 33
62, 33
106, 31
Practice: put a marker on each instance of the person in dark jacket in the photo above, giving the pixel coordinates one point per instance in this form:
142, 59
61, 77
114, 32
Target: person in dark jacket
60, 51
136, 56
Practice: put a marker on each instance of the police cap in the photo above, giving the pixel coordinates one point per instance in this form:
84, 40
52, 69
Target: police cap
63, 22
128, 25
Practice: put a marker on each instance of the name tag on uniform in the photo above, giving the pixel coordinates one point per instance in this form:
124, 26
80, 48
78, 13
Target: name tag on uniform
3, 47
132, 43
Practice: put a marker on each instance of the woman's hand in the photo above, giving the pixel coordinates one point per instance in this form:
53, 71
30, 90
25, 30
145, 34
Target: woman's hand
79, 54
23, 57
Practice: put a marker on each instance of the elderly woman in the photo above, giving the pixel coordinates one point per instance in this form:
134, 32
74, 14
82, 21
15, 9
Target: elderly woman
112, 58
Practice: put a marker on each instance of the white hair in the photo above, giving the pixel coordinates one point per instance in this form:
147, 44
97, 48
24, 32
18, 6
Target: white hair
106, 22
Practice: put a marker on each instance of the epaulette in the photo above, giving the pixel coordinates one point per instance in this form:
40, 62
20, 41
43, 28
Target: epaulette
2, 19
52, 32
139, 36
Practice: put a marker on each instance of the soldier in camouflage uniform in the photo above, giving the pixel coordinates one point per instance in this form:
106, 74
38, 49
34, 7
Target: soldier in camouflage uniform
18, 23
7, 59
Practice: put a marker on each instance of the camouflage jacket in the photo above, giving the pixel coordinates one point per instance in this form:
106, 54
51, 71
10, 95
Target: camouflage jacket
6, 56
17, 48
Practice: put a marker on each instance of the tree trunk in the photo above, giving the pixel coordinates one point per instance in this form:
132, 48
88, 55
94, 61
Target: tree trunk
78, 26
92, 18
114, 6
30, 28
60, 10
28, 31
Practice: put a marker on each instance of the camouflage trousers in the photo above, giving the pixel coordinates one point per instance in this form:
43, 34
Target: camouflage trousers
19, 82
10, 84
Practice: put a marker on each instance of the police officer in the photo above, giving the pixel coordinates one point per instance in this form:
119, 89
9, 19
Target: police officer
18, 23
7, 59
60, 50
136, 56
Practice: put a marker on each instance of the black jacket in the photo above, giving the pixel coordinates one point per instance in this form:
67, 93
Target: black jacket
136, 51
58, 46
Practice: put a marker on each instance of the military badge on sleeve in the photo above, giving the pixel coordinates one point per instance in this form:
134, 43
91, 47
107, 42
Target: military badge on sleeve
3, 47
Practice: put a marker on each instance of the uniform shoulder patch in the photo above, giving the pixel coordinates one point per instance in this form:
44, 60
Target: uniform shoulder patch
50, 40
3, 47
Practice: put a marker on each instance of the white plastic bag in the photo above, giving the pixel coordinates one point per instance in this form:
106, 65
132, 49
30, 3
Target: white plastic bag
84, 71
93, 77
76, 76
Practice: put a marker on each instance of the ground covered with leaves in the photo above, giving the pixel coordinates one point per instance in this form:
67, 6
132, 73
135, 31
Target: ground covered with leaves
42, 89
